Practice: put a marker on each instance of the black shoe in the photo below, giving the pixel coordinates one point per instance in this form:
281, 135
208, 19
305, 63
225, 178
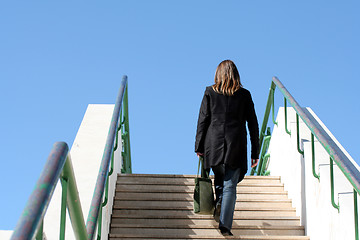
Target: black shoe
225, 232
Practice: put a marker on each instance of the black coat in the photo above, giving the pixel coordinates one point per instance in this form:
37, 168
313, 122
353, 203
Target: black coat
221, 130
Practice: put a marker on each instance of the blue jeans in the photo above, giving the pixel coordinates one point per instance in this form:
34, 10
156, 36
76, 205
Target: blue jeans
226, 180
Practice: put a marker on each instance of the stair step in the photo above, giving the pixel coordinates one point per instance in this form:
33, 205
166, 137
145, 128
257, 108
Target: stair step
164, 222
206, 217
123, 195
127, 179
207, 230
174, 176
189, 213
211, 227
247, 237
141, 204
190, 189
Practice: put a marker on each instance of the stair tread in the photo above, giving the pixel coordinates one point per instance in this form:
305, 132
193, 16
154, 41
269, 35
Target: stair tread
180, 233
192, 183
191, 190
193, 226
185, 176
204, 231
160, 206
198, 216
254, 200
188, 196
190, 207
204, 221
247, 237
191, 214
175, 191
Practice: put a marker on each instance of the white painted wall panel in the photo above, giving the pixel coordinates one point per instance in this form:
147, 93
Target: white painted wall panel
86, 154
312, 198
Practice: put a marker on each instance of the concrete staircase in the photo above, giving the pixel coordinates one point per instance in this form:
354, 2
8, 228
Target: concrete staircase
161, 207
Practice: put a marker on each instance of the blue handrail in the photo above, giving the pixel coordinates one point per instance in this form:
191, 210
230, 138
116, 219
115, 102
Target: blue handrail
105, 163
39, 200
59, 166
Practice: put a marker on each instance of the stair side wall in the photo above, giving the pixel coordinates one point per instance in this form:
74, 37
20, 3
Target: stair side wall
5, 234
86, 155
311, 197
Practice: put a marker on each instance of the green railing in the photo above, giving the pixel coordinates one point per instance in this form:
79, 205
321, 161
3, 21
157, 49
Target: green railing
336, 154
59, 166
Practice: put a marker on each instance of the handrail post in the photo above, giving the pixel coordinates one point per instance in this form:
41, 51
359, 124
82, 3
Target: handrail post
298, 135
127, 130
73, 201
99, 224
313, 157
263, 154
104, 203
332, 185
356, 220
39, 234
263, 167
64, 185
285, 108
115, 148
273, 106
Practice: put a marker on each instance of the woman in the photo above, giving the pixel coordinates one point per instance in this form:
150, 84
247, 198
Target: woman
221, 138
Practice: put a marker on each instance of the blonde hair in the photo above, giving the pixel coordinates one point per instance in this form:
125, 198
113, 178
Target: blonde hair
227, 78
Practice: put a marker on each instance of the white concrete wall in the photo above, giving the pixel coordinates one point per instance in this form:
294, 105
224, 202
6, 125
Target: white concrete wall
5, 234
311, 197
86, 154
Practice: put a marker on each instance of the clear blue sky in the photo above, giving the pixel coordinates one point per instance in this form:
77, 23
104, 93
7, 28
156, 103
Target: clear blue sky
58, 57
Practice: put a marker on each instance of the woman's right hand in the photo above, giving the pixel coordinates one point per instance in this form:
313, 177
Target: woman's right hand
254, 162
199, 154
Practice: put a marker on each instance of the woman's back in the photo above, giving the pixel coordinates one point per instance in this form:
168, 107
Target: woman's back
225, 119
229, 109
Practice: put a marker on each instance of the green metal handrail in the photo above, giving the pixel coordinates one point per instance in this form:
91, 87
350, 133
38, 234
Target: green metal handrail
125, 135
100, 186
267, 112
125, 153
350, 171
59, 166
336, 155
264, 156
